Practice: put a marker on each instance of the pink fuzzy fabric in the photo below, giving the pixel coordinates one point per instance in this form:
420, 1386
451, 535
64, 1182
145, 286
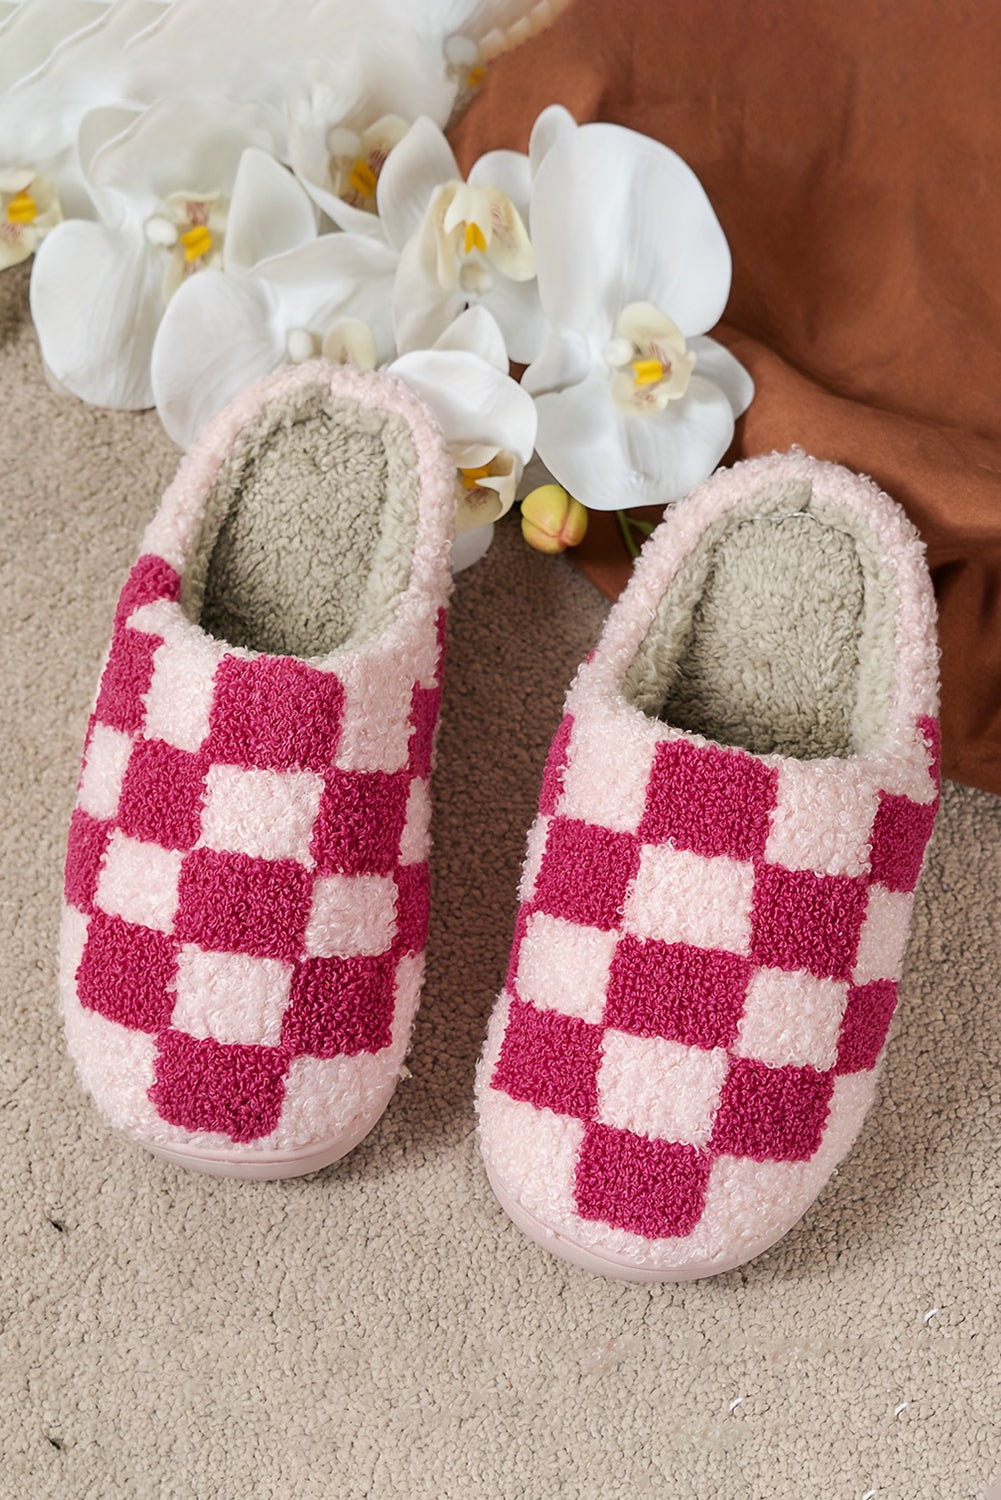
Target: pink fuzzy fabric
707, 953
246, 876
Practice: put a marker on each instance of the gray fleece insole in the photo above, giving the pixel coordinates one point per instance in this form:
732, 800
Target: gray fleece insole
771, 660
291, 560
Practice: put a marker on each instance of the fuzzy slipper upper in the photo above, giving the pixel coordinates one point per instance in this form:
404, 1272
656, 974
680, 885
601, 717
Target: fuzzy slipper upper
246, 897
718, 889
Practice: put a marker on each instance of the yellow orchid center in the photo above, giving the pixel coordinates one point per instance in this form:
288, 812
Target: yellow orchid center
471, 477
357, 157
190, 228
650, 359
647, 371
484, 491
473, 232
465, 66
474, 239
29, 208
22, 209
363, 178
197, 243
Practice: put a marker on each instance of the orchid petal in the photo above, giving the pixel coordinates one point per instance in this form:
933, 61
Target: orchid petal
35, 28
39, 117
309, 151
219, 334
309, 117
610, 459
346, 216
16, 249
509, 248
564, 359
96, 301
422, 310
101, 125
487, 497
680, 446
507, 170
421, 162
13, 181
516, 306
350, 341
469, 546
20, 237
473, 455
473, 402
269, 213
618, 218
483, 505
334, 277
550, 126
310, 167
202, 45
398, 76
373, 63
476, 331
717, 364
175, 144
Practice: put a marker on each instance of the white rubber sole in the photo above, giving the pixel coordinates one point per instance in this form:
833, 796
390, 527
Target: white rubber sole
263, 1166
615, 1266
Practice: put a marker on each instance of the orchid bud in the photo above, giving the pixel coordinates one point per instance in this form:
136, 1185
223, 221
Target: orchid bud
552, 520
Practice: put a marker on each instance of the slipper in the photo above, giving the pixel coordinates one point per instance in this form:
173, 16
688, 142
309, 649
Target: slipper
246, 892
718, 889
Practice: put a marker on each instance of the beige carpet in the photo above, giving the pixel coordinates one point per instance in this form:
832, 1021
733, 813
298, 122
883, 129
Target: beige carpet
382, 1330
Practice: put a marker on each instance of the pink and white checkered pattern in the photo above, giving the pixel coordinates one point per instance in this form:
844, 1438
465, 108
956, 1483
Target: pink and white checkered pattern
247, 888
707, 952
246, 895
693, 978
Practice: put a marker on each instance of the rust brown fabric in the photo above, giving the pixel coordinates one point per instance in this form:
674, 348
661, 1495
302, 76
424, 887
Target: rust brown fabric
852, 150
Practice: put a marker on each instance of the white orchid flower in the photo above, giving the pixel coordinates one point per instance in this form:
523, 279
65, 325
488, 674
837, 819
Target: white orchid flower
60, 59
466, 243
386, 70
232, 50
488, 421
29, 208
428, 57
266, 50
354, 111
168, 191
339, 166
635, 404
283, 293
31, 31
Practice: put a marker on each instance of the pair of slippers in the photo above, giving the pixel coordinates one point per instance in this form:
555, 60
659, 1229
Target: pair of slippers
716, 899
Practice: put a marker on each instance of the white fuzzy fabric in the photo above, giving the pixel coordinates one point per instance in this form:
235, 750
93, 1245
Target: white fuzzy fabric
821, 826
383, 1330
236, 989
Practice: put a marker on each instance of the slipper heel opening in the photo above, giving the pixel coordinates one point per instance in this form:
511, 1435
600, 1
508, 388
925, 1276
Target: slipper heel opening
773, 637
308, 538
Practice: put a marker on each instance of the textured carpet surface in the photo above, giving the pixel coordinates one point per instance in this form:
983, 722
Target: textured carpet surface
381, 1329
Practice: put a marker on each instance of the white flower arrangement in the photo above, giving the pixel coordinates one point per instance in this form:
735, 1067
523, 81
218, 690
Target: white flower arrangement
201, 210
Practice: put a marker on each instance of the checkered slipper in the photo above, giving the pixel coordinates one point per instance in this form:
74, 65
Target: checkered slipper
718, 889
246, 898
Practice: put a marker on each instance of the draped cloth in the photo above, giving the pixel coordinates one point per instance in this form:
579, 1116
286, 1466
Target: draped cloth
852, 151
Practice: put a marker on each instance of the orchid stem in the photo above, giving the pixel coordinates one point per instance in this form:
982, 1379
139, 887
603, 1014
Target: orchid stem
627, 534
628, 526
